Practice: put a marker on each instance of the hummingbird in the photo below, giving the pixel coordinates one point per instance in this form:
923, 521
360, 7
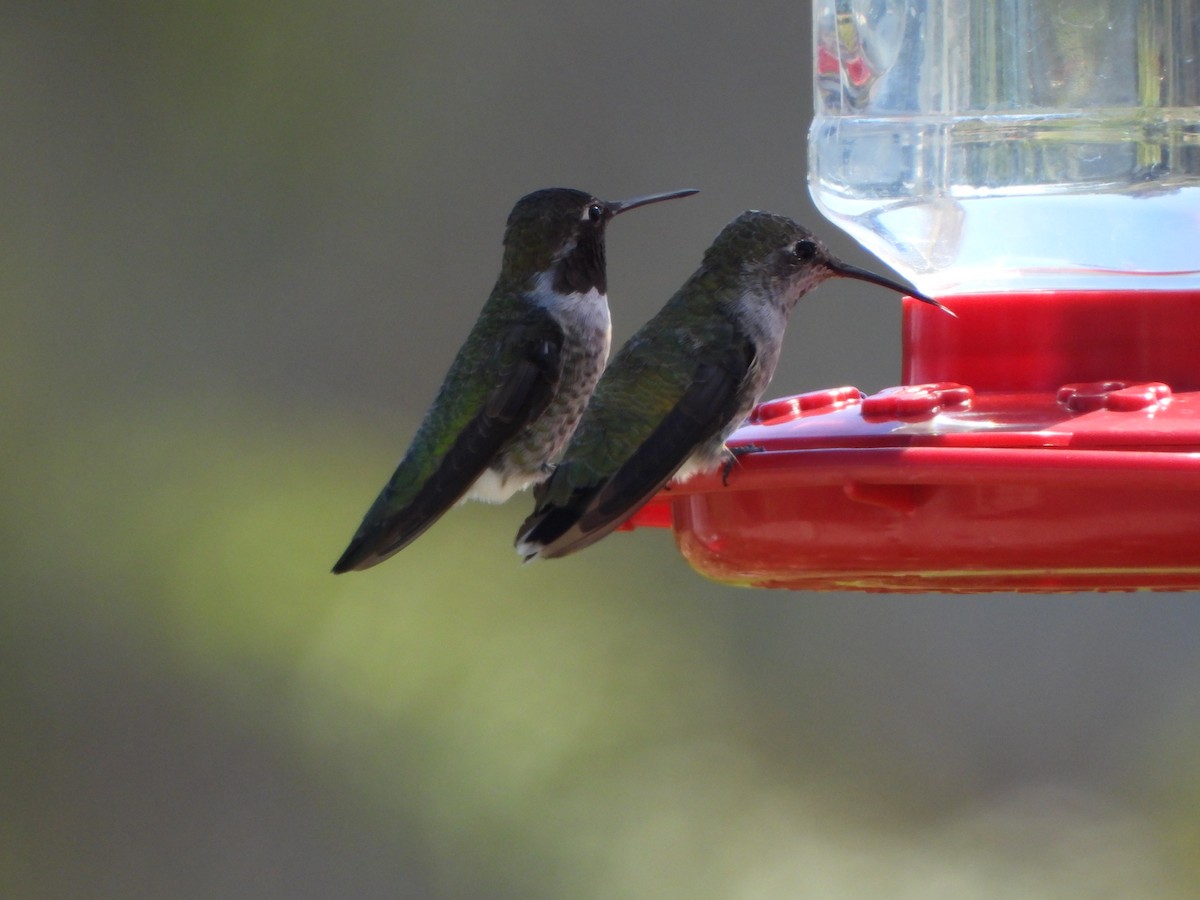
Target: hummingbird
684, 382
517, 387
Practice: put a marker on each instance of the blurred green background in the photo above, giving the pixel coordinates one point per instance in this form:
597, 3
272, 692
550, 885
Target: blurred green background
241, 240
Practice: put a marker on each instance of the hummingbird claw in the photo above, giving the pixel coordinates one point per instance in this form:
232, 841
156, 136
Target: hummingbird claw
734, 454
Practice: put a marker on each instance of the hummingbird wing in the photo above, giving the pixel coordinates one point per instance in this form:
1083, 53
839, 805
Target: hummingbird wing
442, 463
576, 508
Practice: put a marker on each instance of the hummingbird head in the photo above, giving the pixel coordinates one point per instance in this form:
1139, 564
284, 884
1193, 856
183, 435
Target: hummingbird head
561, 230
782, 260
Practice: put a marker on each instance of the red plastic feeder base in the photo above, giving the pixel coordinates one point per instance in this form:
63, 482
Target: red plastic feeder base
1051, 444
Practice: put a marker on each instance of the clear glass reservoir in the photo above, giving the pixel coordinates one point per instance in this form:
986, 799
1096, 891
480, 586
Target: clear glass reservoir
996, 145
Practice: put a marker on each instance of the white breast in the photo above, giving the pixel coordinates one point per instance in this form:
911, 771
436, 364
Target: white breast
578, 313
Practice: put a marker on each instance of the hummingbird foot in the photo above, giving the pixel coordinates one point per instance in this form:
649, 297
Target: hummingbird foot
736, 453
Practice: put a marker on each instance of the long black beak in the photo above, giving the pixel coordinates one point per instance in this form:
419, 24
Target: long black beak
616, 207
845, 270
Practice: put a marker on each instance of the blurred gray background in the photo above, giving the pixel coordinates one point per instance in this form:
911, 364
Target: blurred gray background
241, 242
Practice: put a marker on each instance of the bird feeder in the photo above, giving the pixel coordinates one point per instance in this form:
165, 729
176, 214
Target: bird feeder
1037, 168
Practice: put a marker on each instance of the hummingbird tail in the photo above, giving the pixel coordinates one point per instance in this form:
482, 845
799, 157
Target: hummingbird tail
385, 532
355, 555
558, 531
532, 537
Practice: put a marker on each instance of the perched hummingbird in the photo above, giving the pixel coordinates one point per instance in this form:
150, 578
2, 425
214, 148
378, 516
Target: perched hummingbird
518, 386
684, 382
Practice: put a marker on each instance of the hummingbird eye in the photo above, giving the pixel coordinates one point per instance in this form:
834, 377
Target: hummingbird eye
595, 212
805, 250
